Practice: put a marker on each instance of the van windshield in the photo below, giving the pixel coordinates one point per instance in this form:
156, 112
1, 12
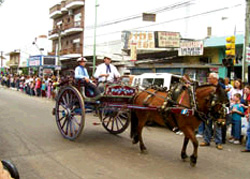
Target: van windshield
174, 80
152, 81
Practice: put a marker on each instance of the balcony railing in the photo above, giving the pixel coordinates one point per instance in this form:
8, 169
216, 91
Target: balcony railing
71, 4
55, 11
76, 24
55, 8
72, 50
63, 6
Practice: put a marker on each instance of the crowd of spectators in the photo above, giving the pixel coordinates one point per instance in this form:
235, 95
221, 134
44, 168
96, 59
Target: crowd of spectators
238, 114
32, 85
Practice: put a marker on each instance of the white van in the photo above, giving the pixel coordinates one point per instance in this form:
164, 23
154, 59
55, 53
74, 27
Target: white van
159, 79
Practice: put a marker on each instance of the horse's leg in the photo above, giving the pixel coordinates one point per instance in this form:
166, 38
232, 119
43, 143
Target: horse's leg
193, 157
139, 130
184, 147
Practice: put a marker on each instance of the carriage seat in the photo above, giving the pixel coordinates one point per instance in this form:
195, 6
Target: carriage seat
81, 87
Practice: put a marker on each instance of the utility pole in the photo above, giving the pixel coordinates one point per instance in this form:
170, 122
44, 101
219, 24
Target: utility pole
94, 53
246, 44
58, 52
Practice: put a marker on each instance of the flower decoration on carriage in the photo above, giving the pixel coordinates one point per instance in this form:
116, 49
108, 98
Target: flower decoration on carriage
120, 91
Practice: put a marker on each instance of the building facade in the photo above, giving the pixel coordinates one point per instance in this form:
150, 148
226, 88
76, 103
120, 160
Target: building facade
67, 31
14, 60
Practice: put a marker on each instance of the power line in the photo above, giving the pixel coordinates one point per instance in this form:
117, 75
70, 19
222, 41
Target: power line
172, 20
158, 10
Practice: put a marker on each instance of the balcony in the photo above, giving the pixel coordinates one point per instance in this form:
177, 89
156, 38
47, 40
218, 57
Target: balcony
53, 34
63, 7
72, 51
53, 53
74, 27
55, 11
73, 4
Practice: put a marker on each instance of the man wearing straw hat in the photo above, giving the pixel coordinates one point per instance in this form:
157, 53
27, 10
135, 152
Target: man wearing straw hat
81, 74
106, 72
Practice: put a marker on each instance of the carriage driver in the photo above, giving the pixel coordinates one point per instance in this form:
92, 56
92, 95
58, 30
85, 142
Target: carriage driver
81, 74
106, 72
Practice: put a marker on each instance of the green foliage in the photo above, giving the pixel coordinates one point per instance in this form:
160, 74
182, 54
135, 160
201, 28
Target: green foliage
25, 71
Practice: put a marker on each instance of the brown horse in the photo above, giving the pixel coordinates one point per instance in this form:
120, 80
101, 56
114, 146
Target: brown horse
208, 101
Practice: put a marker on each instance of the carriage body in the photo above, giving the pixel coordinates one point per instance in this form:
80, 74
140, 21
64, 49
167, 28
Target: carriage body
74, 101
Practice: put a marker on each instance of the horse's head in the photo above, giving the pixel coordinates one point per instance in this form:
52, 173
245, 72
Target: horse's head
214, 103
217, 105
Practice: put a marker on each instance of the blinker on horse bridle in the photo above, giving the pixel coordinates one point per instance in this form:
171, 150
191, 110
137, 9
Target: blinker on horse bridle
221, 113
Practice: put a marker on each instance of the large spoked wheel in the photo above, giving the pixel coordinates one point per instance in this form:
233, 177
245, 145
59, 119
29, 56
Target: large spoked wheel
70, 112
115, 120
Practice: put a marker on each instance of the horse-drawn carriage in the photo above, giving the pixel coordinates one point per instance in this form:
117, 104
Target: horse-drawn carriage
183, 106
74, 101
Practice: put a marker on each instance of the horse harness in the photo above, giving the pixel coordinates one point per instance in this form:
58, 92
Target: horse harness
172, 95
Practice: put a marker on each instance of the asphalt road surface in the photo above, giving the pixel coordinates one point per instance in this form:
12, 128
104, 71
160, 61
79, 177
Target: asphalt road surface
30, 138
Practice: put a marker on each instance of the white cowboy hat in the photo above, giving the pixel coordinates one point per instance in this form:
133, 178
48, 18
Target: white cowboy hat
81, 59
107, 56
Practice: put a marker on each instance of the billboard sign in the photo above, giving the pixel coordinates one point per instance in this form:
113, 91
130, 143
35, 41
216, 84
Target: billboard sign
248, 54
34, 61
165, 39
191, 48
142, 39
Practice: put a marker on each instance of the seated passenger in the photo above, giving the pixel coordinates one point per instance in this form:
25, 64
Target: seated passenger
81, 74
106, 72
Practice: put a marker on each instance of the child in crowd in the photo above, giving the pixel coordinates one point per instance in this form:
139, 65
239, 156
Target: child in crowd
43, 89
237, 111
49, 89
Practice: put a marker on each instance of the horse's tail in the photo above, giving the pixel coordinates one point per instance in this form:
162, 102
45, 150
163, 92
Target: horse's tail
134, 124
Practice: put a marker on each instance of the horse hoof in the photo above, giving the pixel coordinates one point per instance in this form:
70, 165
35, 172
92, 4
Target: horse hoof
192, 164
184, 156
135, 140
193, 160
144, 152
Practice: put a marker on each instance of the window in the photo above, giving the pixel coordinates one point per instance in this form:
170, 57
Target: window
152, 81
49, 61
174, 80
147, 82
159, 82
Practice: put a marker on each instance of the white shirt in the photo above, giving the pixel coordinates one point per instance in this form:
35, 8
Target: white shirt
102, 69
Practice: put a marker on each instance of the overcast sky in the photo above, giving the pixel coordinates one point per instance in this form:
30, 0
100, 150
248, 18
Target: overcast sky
23, 20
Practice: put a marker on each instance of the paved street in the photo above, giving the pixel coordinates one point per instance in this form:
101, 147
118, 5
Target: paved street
29, 137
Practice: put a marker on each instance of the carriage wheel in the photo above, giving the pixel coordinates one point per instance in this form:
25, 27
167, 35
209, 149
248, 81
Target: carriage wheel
70, 112
115, 120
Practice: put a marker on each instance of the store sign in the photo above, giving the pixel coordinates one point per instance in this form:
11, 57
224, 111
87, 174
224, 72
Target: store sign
143, 39
35, 61
248, 54
49, 61
133, 53
167, 39
47, 71
149, 17
191, 48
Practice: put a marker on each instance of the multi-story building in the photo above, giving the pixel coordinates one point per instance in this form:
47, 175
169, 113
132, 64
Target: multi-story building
67, 31
14, 60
